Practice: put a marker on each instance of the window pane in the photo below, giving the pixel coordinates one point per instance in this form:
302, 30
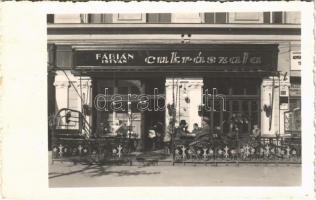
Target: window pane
209, 18
134, 90
223, 90
95, 18
73, 98
266, 17
295, 103
252, 89
161, 102
67, 18
235, 106
254, 119
228, 105
297, 120
130, 16
226, 122
254, 106
217, 105
245, 106
220, 18
186, 18
216, 119
277, 17
164, 18
121, 107
122, 90
292, 17
246, 17
238, 90
155, 18
50, 18
122, 116
109, 91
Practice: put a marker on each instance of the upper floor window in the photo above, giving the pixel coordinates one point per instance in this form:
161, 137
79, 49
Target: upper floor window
282, 17
168, 18
246, 17
187, 18
292, 17
129, 18
67, 18
216, 18
100, 18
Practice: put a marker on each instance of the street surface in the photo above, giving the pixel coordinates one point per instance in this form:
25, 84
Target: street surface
66, 174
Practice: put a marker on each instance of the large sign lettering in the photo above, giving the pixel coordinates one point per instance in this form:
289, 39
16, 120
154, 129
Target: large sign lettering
208, 56
175, 58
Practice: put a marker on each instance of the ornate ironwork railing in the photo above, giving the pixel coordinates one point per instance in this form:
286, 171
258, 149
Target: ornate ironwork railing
260, 150
73, 141
79, 145
94, 149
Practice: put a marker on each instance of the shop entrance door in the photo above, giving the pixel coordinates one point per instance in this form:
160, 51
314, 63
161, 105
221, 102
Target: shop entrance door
118, 109
154, 116
139, 112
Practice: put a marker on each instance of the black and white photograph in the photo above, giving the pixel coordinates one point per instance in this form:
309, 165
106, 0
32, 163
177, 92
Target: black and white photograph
174, 99
157, 100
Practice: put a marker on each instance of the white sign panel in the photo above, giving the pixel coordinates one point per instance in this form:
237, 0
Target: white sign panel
295, 60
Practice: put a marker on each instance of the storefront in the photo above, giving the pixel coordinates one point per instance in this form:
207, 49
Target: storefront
141, 81
135, 85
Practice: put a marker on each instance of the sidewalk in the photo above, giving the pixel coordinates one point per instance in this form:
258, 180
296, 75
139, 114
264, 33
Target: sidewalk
67, 174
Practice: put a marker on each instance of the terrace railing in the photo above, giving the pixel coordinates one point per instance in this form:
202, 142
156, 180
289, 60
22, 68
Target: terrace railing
74, 141
240, 150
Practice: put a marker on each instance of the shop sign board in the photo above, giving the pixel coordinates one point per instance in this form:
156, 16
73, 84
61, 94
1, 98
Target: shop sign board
236, 56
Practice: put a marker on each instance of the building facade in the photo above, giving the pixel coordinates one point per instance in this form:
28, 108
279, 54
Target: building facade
134, 68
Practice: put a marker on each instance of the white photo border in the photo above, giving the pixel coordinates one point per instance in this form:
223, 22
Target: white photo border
24, 102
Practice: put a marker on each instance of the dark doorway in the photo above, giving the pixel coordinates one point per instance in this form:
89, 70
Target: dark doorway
154, 118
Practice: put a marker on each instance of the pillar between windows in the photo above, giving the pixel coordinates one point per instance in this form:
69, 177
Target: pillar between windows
189, 98
276, 115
